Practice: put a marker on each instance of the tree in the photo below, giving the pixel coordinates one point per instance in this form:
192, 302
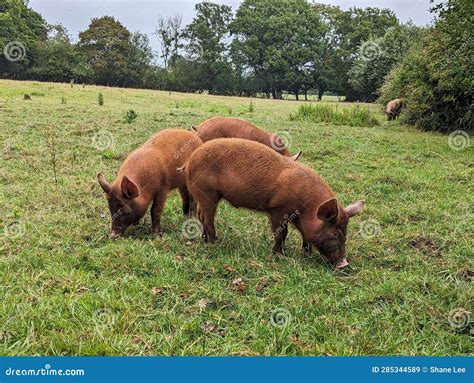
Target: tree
347, 32
56, 59
276, 39
436, 78
21, 28
139, 60
378, 56
327, 73
169, 33
107, 46
206, 43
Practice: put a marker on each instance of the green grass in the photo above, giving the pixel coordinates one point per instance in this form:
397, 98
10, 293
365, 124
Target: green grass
66, 289
349, 116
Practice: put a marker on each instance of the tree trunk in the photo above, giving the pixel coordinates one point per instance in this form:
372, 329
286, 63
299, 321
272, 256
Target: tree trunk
297, 95
320, 94
306, 94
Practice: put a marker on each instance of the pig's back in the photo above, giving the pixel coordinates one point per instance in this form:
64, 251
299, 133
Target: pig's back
169, 141
246, 173
159, 157
224, 127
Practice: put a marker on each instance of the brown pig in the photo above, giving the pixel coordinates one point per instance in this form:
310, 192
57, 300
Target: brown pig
251, 175
393, 109
229, 127
148, 175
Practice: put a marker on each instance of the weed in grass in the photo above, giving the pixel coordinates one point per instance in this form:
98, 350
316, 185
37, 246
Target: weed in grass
130, 116
26, 96
251, 107
100, 99
350, 116
111, 155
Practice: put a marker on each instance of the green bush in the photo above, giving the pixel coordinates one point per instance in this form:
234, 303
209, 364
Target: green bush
436, 78
251, 107
100, 99
350, 116
130, 116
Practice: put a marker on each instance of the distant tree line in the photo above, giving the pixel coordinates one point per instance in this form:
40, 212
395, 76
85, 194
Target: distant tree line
266, 48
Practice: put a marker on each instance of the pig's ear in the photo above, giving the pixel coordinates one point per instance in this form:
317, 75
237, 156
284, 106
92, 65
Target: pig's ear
296, 156
328, 210
354, 208
129, 189
103, 183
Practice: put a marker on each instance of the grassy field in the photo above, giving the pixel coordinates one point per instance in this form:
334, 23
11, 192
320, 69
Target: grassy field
67, 289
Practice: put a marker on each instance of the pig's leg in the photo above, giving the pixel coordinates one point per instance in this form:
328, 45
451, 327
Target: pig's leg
306, 248
280, 231
187, 201
306, 244
207, 210
207, 213
156, 210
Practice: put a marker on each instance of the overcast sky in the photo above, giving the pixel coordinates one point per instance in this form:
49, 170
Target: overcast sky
141, 15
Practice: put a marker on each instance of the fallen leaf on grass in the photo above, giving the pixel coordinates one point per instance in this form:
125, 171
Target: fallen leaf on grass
262, 284
202, 303
238, 284
207, 327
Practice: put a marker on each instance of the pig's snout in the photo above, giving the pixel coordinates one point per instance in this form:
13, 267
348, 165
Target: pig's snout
114, 235
116, 232
342, 263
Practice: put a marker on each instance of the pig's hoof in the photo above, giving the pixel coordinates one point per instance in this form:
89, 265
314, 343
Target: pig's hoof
208, 239
157, 233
